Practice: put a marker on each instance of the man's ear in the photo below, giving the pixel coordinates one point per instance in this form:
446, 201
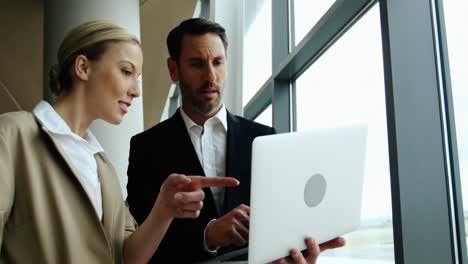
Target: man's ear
82, 67
173, 69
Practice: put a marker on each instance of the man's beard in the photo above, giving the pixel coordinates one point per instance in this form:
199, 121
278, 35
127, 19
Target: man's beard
200, 105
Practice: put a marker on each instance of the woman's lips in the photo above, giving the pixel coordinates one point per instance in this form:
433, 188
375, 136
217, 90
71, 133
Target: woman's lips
124, 106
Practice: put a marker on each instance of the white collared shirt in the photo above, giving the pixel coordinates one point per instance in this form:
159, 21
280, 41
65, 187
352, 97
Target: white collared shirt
210, 143
79, 150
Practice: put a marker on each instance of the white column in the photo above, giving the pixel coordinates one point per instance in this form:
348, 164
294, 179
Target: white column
230, 15
62, 15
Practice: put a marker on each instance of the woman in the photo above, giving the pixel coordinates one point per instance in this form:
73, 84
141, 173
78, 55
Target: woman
60, 201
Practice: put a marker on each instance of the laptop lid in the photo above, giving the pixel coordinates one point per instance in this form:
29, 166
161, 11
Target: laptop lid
304, 184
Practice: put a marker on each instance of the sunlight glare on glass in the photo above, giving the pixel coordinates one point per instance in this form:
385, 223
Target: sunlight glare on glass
257, 51
306, 14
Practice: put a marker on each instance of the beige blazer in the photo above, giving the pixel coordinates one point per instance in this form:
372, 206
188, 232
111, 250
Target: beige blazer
45, 213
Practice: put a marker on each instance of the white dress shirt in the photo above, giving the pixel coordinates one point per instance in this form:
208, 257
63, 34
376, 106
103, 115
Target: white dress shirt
210, 143
79, 150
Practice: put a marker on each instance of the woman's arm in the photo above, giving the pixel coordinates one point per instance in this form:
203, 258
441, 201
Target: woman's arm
6, 185
180, 197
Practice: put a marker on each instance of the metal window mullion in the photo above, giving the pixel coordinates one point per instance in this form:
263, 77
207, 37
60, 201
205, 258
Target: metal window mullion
420, 197
174, 100
340, 17
451, 135
333, 24
280, 50
205, 9
260, 101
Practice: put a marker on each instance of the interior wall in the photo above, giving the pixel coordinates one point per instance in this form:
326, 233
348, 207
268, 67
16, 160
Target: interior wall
21, 53
158, 17
21, 49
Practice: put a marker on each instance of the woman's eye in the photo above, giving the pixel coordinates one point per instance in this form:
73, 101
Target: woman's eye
126, 72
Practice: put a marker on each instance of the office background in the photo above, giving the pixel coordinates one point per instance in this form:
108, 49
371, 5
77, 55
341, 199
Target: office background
398, 65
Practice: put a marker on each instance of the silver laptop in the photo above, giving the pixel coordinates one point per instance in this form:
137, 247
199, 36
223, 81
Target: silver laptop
304, 184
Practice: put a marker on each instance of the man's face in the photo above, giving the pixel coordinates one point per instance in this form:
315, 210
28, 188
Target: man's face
201, 71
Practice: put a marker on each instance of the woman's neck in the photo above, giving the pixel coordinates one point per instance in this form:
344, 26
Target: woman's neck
72, 108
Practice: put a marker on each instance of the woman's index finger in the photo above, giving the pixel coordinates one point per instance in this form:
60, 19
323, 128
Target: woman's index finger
198, 182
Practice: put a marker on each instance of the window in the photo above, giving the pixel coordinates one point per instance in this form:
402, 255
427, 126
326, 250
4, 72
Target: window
306, 14
345, 86
257, 47
457, 41
340, 80
265, 117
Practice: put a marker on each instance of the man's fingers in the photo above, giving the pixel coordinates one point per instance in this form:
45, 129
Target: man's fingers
198, 182
313, 249
241, 216
238, 239
244, 208
281, 261
335, 243
242, 229
297, 257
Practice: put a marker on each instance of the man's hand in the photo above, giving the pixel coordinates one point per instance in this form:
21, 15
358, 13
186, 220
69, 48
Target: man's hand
182, 196
230, 229
310, 255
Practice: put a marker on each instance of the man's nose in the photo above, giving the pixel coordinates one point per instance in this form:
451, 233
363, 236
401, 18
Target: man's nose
210, 73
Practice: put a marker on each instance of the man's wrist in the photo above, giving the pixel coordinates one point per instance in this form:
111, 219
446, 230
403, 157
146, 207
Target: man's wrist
212, 251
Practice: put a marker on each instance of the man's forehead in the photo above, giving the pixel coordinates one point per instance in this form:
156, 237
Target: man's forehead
198, 44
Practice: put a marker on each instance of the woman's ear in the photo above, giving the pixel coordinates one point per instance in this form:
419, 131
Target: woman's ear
81, 67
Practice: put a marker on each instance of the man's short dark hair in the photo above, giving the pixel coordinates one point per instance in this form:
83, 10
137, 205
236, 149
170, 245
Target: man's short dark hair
193, 26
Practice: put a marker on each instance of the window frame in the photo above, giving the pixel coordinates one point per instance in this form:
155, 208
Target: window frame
427, 209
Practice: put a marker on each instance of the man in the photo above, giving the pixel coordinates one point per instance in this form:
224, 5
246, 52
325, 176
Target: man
201, 138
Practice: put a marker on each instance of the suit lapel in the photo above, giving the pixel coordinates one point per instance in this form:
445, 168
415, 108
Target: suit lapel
232, 155
75, 176
69, 164
109, 187
186, 159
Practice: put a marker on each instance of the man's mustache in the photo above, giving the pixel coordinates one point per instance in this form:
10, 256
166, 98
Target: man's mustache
209, 86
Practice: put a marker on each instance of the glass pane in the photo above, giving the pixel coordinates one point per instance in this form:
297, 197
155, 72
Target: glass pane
306, 14
346, 86
257, 47
457, 41
266, 117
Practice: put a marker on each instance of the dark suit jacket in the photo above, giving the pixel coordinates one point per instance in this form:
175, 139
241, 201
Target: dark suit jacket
167, 148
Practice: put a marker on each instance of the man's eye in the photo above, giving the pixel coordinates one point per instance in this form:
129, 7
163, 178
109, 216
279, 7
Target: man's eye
218, 62
196, 64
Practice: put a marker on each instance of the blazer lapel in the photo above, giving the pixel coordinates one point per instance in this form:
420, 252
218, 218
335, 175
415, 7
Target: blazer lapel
68, 163
75, 176
232, 155
110, 191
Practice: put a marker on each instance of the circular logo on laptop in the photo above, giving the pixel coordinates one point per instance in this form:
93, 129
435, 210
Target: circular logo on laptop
314, 190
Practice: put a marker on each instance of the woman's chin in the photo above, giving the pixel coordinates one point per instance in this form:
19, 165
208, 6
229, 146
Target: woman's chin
115, 120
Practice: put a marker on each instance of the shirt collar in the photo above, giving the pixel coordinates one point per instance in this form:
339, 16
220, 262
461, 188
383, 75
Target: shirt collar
221, 116
55, 124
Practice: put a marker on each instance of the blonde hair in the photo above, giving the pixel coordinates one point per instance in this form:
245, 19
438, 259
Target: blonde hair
88, 39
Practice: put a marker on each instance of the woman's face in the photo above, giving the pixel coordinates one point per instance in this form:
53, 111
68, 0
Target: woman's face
113, 81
